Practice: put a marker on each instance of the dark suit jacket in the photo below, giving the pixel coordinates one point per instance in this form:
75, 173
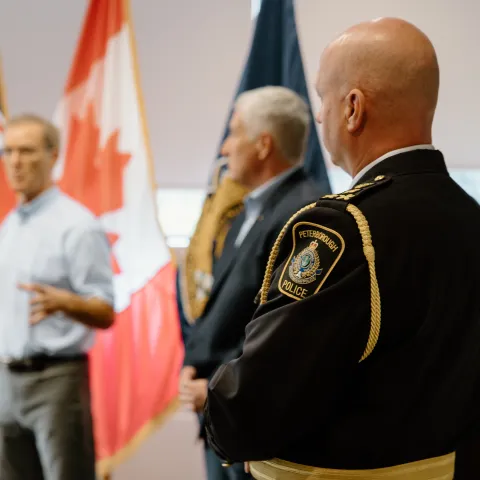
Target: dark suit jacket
299, 391
218, 335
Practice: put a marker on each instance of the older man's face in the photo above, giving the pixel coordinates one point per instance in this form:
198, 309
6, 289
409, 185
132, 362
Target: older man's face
28, 163
240, 151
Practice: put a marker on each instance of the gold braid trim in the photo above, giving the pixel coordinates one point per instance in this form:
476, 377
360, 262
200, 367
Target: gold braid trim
369, 252
267, 279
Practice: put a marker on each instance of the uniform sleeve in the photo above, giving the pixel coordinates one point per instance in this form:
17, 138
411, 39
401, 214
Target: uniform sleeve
87, 253
302, 346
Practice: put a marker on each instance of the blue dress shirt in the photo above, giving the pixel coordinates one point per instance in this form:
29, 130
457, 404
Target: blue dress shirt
56, 241
256, 200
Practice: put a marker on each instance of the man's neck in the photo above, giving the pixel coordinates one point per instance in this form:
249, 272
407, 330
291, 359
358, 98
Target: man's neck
375, 152
29, 197
389, 154
269, 174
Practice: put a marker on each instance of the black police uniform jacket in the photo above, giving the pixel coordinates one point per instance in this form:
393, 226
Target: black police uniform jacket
321, 382
217, 336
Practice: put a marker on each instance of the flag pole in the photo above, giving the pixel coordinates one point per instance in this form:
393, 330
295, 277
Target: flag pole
143, 117
3, 93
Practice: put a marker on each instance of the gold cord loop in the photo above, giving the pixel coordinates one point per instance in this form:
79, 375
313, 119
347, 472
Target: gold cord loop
375, 303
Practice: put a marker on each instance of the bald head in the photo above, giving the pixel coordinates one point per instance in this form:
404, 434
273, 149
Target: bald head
390, 59
386, 71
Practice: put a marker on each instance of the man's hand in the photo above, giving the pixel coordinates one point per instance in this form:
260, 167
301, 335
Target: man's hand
186, 376
192, 391
199, 389
46, 300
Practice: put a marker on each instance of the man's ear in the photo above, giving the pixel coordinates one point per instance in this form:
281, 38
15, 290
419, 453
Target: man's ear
355, 114
54, 155
264, 145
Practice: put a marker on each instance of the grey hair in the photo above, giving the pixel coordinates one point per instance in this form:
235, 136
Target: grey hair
282, 113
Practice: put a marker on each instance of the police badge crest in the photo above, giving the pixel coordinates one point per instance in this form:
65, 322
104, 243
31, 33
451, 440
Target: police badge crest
304, 267
316, 250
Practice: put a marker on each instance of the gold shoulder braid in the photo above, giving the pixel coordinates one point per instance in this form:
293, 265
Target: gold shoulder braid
267, 279
368, 251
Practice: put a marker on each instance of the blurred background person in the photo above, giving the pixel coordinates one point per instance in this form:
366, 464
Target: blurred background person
264, 148
55, 290
224, 201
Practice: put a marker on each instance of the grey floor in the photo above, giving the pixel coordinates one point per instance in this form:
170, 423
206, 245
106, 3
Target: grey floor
171, 453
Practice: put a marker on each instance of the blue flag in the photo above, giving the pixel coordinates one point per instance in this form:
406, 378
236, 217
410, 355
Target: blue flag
275, 59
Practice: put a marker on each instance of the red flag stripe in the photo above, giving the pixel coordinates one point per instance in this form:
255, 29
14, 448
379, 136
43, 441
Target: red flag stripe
135, 365
7, 197
92, 46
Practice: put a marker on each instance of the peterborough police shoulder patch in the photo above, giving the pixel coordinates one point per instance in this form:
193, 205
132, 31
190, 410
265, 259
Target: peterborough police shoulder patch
316, 250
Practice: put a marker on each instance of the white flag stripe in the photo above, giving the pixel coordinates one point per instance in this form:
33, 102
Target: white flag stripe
141, 250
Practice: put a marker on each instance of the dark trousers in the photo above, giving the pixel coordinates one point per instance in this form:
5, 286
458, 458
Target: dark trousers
45, 424
215, 471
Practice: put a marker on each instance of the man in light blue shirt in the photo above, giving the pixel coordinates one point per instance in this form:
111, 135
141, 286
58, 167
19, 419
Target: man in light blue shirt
55, 289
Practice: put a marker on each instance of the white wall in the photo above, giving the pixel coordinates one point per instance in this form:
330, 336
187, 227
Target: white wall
191, 54
453, 28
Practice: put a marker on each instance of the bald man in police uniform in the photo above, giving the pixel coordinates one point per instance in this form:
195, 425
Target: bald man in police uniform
363, 359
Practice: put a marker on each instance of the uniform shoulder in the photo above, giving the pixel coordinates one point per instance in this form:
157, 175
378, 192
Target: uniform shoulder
333, 209
320, 244
325, 228
360, 191
316, 230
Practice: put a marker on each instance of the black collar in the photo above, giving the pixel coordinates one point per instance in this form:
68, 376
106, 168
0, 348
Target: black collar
413, 162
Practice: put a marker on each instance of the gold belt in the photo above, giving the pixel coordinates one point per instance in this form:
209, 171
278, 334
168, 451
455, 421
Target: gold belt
438, 468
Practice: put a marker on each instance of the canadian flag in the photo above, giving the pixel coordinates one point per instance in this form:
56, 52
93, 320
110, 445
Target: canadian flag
7, 197
105, 164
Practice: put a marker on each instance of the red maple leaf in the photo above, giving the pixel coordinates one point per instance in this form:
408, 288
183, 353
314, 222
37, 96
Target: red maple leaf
92, 175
